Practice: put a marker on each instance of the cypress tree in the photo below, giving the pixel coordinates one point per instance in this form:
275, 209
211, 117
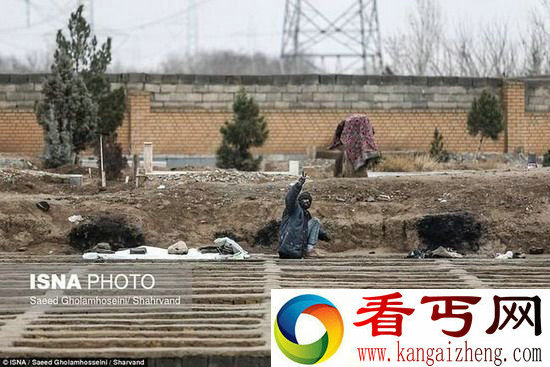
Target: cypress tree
485, 118
247, 129
437, 149
80, 64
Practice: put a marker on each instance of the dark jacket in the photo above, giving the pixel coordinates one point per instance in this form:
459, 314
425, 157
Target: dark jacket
293, 230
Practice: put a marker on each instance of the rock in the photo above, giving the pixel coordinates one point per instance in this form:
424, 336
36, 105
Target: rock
75, 218
22, 249
138, 251
103, 246
43, 205
536, 250
507, 255
178, 248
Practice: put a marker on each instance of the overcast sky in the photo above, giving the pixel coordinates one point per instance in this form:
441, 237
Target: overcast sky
144, 32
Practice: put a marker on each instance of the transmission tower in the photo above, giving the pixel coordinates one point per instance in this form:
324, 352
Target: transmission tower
351, 40
191, 28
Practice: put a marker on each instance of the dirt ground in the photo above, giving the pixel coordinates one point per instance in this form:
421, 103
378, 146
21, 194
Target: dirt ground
373, 214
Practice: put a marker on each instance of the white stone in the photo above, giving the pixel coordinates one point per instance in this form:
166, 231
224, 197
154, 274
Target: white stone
178, 248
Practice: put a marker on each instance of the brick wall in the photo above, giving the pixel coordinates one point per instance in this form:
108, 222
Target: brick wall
182, 114
309, 91
537, 95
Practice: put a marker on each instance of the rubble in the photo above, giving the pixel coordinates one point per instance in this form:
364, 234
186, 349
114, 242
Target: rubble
230, 176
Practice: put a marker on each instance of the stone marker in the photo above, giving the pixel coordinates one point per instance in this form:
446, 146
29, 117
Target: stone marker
148, 157
138, 251
294, 168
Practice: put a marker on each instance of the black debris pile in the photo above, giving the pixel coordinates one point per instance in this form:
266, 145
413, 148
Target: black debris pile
438, 253
459, 231
268, 235
115, 231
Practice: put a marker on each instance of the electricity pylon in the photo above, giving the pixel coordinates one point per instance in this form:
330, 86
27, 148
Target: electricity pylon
351, 39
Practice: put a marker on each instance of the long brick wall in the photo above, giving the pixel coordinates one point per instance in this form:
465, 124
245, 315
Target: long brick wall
182, 114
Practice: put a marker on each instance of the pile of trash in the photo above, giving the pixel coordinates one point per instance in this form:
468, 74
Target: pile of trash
439, 253
223, 249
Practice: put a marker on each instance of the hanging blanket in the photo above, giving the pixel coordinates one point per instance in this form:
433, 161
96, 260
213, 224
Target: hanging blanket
356, 136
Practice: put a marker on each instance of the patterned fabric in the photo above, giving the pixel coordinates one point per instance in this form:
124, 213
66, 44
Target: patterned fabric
355, 135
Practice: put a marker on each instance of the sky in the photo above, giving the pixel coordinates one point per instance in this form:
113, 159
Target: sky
145, 32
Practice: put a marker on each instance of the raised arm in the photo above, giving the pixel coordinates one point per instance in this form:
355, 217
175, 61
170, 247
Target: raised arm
291, 201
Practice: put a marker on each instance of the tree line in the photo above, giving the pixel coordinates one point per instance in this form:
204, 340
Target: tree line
427, 45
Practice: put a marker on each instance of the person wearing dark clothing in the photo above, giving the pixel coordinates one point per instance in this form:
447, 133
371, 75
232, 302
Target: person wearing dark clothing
299, 231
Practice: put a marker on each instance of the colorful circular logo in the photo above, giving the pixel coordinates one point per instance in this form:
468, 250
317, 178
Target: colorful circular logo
285, 329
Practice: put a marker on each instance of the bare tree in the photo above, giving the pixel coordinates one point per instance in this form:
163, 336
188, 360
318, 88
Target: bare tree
228, 62
36, 62
418, 50
489, 50
497, 55
536, 41
394, 47
463, 50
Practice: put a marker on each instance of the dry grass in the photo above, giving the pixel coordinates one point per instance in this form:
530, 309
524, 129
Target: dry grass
408, 163
478, 166
424, 163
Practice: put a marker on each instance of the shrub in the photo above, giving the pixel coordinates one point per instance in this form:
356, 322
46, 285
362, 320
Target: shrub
113, 160
437, 149
546, 159
247, 129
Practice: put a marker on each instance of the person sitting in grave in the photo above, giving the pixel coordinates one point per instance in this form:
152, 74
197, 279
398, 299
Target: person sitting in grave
299, 231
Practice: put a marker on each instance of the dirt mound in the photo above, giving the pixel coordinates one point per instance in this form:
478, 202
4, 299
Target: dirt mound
114, 230
378, 213
459, 231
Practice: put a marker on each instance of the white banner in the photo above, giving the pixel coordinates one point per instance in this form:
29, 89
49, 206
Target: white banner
436, 327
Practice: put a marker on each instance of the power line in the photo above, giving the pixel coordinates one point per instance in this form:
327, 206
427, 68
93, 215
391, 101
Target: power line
160, 21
